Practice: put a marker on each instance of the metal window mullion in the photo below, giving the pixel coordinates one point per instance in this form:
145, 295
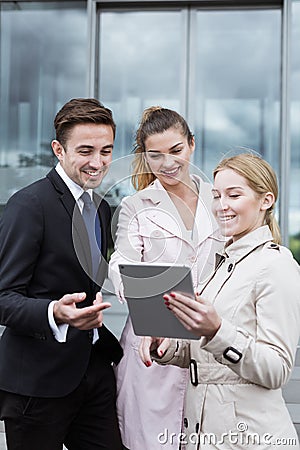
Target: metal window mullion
92, 88
191, 70
184, 99
285, 141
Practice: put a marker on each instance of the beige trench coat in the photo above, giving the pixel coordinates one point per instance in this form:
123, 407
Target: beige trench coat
256, 291
150, 229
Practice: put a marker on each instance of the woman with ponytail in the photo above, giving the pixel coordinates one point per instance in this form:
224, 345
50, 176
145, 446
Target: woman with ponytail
167, 221
247, 318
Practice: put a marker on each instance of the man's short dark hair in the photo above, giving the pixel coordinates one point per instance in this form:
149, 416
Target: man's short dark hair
81, 111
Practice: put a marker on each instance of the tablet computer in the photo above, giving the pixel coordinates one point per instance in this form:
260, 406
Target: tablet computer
144, 287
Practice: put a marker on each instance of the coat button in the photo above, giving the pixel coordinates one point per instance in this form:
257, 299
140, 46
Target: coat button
185, 422
230, 267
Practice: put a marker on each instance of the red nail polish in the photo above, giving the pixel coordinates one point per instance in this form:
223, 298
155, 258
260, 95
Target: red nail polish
148, 363
167, 303
172, 295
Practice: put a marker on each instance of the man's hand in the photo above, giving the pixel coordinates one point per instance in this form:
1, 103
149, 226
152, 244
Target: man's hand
65, 311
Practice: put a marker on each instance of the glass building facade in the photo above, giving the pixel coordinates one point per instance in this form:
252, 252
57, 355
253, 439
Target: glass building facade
232, 68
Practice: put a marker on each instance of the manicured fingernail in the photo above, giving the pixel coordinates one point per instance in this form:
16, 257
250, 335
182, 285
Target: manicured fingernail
148, 363
160, 352
165, 297
172, 295
167, 303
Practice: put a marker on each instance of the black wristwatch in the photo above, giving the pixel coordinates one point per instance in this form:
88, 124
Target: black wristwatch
232, 355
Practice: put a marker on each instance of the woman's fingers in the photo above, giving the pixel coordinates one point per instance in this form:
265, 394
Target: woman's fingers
183, 302
150, 344
163, 346
144, 350
196, 314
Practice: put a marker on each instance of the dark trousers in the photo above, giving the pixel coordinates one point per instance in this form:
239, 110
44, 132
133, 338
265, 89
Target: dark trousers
83, 420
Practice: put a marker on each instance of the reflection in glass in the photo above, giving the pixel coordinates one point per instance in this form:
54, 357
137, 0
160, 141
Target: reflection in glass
43, 64
141, 64
294, 207
237, 83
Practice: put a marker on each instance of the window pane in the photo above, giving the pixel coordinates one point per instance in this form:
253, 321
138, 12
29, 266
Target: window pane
141, 64
294, 207
43, 64
237, 84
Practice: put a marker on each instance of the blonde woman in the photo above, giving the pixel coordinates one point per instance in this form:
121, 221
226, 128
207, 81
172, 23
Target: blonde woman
167, 221
247, 318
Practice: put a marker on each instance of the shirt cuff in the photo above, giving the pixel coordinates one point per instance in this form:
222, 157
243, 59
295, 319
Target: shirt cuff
95, 335
59, 331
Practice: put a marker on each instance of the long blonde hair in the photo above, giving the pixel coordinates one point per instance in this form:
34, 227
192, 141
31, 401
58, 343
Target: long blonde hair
260, 177
154, 120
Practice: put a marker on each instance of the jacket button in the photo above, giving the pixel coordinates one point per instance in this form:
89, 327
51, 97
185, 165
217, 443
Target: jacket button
185, 422
230, 267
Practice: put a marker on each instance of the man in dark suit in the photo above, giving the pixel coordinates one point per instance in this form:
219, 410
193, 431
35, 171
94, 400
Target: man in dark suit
57, 383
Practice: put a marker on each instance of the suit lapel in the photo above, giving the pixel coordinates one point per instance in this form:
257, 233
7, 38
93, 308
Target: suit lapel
79, 233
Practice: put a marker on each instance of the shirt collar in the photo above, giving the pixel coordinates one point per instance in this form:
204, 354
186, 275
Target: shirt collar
75, 189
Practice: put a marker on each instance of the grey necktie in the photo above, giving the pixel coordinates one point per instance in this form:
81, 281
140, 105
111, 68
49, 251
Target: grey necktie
92, 224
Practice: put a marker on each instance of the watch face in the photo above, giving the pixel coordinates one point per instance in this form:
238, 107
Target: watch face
232, 355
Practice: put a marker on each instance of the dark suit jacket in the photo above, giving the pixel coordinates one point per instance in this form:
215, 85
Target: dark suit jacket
44, 254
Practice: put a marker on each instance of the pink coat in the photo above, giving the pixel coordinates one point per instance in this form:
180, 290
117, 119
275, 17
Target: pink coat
150, 229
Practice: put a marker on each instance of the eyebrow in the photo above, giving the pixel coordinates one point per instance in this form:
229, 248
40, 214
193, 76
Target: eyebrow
234, 187
91, 147
171, 148
230, 188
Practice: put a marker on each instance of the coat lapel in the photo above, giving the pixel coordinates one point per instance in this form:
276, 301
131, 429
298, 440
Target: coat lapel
166, 216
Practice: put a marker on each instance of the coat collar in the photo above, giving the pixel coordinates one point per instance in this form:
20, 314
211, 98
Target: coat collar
205, 223
248, 243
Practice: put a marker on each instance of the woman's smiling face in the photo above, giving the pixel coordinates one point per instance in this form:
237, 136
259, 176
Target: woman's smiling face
168, 156
237, 208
